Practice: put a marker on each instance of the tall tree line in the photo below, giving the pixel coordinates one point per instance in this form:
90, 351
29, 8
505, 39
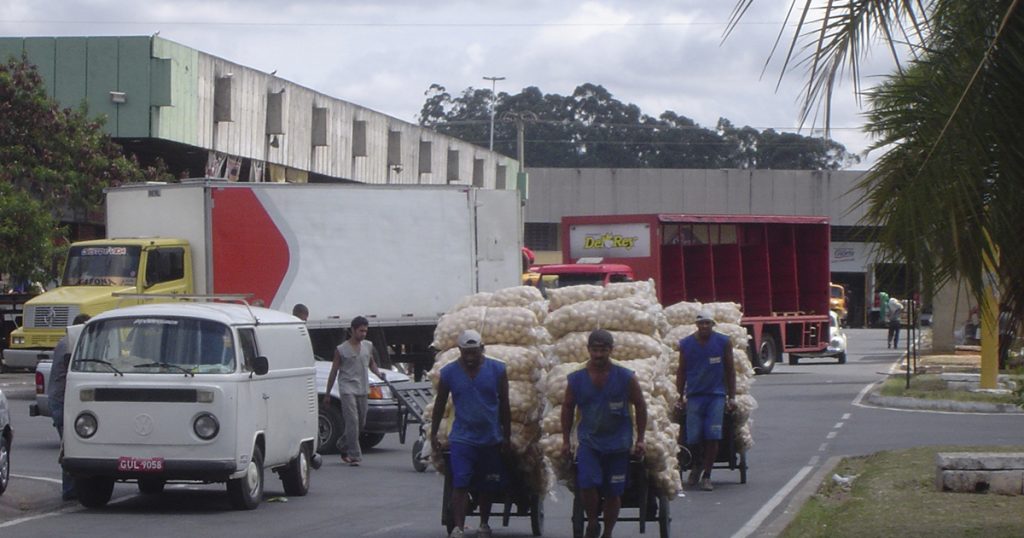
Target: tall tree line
590, 128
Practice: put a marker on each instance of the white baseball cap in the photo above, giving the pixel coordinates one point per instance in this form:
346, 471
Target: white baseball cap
470, 339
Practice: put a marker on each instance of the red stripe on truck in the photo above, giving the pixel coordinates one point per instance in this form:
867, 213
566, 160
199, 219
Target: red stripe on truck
249, 253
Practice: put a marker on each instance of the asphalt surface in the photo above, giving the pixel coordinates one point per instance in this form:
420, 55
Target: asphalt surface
809, 415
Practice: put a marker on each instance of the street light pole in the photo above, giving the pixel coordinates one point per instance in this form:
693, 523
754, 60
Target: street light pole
494, 97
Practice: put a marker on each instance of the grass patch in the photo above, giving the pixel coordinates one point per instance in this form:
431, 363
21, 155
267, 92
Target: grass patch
894, 494
931, 387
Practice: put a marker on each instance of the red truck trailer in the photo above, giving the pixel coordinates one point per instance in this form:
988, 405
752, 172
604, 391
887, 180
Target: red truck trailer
775, 267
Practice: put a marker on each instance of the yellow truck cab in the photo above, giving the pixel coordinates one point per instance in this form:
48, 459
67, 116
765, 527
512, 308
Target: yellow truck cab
93, 272
837, 302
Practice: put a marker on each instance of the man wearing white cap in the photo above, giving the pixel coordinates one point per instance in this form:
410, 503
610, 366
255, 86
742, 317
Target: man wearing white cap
706, 377
481, 430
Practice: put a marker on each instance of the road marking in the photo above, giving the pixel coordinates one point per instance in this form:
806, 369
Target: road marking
814, 461
772, 503
823, 447
838, 425
388, 529
65, 510
863, 392
831, 435
39, 478
846, 416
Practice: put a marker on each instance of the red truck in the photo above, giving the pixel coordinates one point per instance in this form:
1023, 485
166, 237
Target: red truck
775, 267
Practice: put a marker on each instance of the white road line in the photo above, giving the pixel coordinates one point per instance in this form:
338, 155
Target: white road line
814, 461
846, 416
39, 478
772, 503
388, 529
823, 447
831, 435
863, 392
838, 425
66, 510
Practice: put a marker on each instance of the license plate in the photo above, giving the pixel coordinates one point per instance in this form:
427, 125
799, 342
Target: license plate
131, 464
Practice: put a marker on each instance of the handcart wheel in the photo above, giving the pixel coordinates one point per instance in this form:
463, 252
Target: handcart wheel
664, 517
577, 517
418, 463
743, 467
537, 515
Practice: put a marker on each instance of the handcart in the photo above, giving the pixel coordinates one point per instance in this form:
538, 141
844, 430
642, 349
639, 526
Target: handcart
640, 494
413, 399
728, 457
527, 503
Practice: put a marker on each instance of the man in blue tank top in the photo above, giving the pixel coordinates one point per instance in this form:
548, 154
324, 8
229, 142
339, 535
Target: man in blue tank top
481, 430
705, 378
602, 392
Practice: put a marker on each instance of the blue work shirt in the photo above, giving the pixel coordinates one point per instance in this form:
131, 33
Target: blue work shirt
476, 402
605, 423
705, 364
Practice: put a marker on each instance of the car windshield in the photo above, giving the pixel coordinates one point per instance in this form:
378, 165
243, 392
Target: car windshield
157, 345
837, 293
103, 265
572, 279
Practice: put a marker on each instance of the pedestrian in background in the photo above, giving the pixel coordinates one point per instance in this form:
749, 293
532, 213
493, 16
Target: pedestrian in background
481, 431
352, 359
893, 319
603, 392
55, 394
706, 381
300, 311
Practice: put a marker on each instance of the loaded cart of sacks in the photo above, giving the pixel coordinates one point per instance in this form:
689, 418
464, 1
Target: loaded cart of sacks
510, 323
631, 312
736, 426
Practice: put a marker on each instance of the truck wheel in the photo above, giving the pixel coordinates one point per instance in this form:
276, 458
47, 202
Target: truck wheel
94, 491
329, 428
766, 355
296, 475
842, 358
369, 440
246, 493
151, 486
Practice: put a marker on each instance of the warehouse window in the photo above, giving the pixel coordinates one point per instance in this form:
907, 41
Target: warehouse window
394, 148
359, 138
319, 130
426, 147
275, 113
541, 236
500, 179
222, 99
453, 166
478, 172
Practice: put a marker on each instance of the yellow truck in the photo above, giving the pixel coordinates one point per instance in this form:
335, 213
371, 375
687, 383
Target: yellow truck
837, 302
93, 273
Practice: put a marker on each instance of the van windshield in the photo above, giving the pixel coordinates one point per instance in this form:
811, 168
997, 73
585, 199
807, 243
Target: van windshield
156, 345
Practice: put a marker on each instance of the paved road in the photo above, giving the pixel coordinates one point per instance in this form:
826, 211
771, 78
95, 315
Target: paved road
807, 415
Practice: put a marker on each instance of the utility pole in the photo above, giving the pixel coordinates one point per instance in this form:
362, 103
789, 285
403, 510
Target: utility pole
494, 98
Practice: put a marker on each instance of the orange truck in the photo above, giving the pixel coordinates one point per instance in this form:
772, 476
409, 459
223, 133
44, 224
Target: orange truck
775, 267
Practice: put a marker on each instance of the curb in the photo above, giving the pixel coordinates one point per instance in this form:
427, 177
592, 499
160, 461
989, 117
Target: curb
900, 402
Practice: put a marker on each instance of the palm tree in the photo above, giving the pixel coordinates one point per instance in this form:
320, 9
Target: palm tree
948, 192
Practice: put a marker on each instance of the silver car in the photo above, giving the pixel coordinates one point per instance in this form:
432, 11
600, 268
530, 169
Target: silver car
6, 440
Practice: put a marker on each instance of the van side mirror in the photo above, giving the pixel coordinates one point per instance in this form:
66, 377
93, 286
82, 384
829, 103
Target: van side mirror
260, 365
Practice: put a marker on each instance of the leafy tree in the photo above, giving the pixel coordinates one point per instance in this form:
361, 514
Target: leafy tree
590, 128
55, 163
948, 190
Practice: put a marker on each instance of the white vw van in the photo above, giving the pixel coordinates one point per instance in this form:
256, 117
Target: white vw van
192, 392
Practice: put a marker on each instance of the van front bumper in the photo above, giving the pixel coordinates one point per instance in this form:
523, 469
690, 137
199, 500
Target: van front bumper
203, 470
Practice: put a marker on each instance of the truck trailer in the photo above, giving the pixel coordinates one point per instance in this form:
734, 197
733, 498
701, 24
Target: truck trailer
775, 267
400, 255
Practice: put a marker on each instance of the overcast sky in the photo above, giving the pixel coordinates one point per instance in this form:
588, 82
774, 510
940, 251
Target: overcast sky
384, 54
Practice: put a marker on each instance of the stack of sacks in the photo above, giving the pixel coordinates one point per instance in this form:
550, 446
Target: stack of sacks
632, 314
511, 332
682, 317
